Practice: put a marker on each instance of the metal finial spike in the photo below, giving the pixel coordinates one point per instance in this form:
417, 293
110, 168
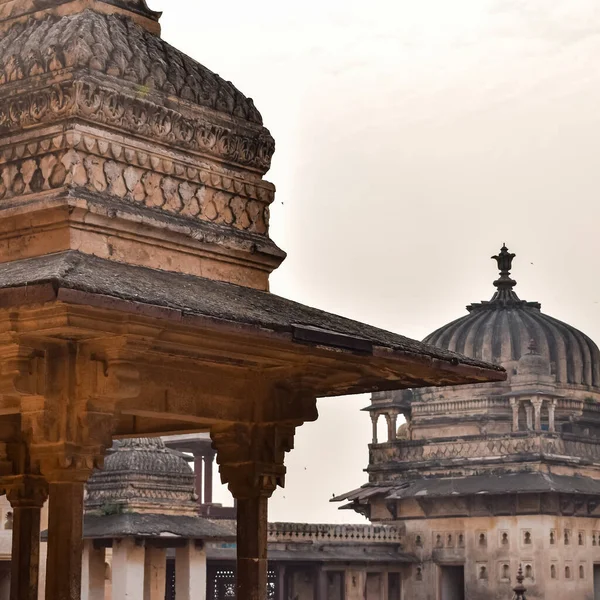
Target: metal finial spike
520, 589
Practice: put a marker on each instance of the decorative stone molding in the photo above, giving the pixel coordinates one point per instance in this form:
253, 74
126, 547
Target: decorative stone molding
86, 162
138, 116
26, 491
363, 534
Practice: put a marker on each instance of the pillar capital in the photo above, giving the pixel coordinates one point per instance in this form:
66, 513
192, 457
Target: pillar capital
251, 455
26, 491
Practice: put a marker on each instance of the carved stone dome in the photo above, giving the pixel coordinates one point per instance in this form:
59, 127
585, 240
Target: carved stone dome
503, 329
114, 47
142, 475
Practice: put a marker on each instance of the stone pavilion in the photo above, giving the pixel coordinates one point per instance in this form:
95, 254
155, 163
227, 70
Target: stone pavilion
489, 477
134, 281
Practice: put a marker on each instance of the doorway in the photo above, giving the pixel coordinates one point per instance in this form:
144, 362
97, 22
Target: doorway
452, 583
596, 582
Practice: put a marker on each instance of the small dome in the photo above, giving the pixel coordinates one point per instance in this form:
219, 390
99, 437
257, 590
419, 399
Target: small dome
142, 475
533, 363
501, 331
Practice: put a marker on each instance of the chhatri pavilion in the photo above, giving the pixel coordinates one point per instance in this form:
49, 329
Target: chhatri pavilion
134, 282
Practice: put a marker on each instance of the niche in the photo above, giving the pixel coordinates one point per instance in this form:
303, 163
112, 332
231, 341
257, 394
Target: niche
528, 572
504, 538
418, 541
552, 537
483, 574
581, 572
527, 537
552, 571
482, 539
567, 572
419, 574
581, 538
567, 537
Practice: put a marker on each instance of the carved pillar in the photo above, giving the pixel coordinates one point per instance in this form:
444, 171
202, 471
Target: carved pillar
209, 459
374, 420
529, 413
68, 395
537, 412
392, 420
250, 457
65, 540
26, 494
551, 418
515, 414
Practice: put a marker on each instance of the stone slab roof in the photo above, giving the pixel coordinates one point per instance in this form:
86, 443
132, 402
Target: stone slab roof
190, 296
154, 526
511, 483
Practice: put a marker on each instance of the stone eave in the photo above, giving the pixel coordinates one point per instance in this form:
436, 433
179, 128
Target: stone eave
389, 361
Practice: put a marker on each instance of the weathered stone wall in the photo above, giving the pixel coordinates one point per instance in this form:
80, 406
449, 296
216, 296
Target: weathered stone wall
492, 548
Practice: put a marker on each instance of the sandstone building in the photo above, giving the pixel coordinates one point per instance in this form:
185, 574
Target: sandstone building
484, 478
134, 281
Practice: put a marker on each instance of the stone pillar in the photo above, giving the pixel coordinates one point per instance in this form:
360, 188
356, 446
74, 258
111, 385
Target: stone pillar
551, 417
190, 572
250, 457
127, 570
93, 572
26, 495
515, 414
529, 413
198, 461
65, 541
209, 459
374, 420
155, 573
281, 581
392, 420
537, 411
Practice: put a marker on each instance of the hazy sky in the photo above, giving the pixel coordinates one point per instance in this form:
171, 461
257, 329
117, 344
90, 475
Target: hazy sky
413, 138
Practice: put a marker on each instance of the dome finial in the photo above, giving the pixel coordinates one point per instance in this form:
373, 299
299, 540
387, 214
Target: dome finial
504, 283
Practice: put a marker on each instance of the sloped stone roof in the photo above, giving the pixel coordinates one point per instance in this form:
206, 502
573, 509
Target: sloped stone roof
197, 296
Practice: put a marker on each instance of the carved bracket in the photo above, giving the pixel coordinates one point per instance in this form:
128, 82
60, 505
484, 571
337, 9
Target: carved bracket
251, 456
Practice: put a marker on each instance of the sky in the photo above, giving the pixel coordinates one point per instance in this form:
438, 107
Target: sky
413, 139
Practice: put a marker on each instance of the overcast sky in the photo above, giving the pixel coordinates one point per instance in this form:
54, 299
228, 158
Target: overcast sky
413, 138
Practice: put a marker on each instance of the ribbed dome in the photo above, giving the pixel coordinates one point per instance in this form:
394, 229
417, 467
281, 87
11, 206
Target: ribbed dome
502, 330
143, 476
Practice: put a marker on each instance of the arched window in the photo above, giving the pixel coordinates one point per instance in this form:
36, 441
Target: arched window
527, 537
529, 572
418, 541
483, 573
552, 537
552, 571
461, 540
567, 537
505, 539
567, 572
505, 571
419, 574
581, 572
580, 538
482, 539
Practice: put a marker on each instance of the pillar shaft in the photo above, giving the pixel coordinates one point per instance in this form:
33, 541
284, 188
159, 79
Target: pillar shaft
190, 573
26, 495
155, 573
65, 541
128, 570
93, 572
551, 417
252, 548
374, 419
515, 414
209, 459
198, 461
